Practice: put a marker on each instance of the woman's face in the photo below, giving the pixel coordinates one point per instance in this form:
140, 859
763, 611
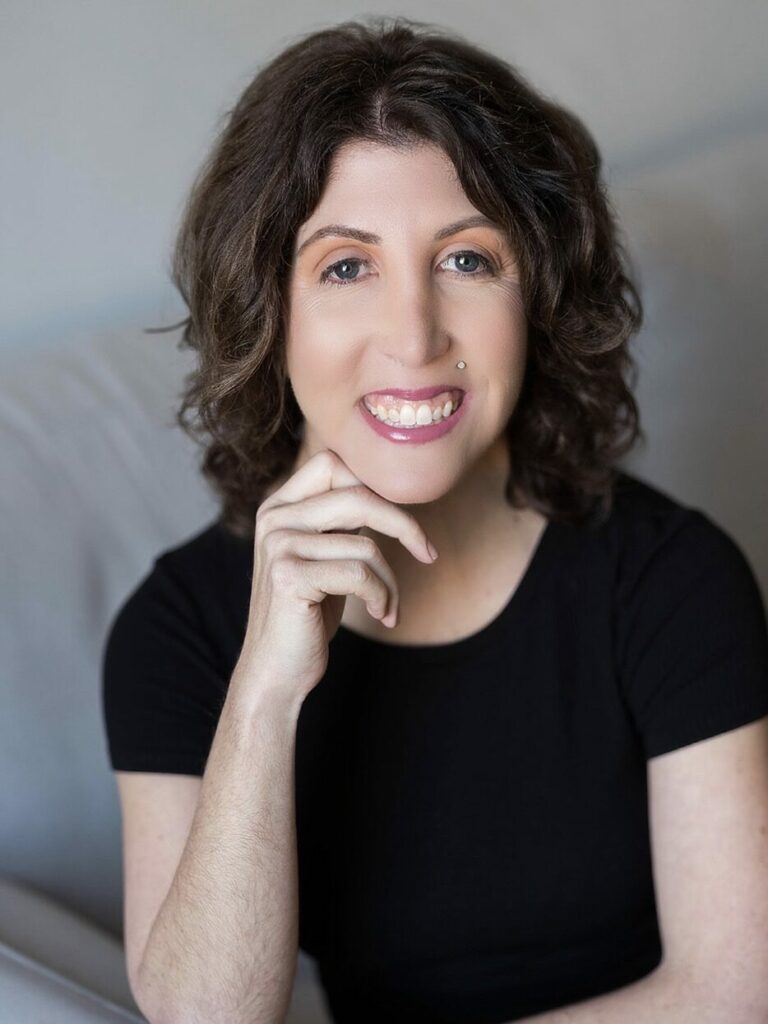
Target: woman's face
400, 312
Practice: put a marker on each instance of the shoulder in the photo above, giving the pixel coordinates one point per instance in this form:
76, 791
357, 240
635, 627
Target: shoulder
691, 642
650, 539
659, 540
194, 593
644, 515
679, 573
206, 568
168, 656
212, 549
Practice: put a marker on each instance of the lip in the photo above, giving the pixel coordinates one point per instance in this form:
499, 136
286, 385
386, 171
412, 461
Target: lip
414, 435
414, 396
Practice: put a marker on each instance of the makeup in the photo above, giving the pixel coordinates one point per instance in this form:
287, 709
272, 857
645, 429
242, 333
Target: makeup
417, 434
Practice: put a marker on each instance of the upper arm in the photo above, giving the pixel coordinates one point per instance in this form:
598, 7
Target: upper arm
708, 817
157, 811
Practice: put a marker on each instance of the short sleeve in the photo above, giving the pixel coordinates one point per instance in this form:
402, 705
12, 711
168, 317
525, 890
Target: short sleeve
692, 638
162, 684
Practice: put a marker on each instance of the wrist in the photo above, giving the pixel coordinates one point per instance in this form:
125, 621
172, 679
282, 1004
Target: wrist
264, 697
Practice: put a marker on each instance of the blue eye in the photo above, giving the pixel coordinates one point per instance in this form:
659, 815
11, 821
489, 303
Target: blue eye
325, 276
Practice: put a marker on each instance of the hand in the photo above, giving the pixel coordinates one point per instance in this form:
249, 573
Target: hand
308, 559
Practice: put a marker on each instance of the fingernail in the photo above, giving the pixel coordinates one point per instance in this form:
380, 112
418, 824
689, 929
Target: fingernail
432, 549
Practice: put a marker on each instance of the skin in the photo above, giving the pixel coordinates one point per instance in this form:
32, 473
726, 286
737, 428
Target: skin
410, 310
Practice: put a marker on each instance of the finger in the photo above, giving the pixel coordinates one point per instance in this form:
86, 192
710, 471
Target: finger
349, 508
339, 547
331, 576
354, 505
324, 471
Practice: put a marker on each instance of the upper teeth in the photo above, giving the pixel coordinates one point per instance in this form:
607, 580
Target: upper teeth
394, 410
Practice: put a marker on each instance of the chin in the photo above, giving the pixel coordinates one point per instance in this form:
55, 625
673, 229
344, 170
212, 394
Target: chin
404, 492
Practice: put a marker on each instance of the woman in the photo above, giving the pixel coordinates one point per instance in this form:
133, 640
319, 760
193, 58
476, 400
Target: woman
430, 775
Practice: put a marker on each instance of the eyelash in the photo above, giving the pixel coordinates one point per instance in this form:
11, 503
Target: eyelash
326, 279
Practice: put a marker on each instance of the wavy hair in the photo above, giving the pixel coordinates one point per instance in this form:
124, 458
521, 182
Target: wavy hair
524, 161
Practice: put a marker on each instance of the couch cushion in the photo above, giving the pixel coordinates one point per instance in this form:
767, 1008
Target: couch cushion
33, 992
93, 483
51, 942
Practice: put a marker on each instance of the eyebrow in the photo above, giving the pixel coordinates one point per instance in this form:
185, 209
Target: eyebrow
344, 231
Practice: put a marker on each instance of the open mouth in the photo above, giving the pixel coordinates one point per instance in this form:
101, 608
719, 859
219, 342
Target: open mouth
409, 413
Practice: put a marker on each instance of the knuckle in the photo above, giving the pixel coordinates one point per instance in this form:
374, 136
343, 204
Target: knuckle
284, 570
369, 547
264, 507
331, 459
361, 572
277, 543
264, 515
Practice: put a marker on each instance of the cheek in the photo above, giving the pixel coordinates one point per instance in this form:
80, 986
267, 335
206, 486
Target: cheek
505, 343
319, 367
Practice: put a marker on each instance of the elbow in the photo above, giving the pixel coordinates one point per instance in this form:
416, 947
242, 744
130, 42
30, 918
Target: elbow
158, 1012
150, 1003
726, 990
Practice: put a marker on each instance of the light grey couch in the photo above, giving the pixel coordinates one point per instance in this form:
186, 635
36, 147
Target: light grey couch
92, 487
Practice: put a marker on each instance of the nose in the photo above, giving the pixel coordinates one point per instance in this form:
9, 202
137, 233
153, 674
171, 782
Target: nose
412, 328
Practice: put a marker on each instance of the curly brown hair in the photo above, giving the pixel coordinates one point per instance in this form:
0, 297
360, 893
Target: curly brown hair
524, 161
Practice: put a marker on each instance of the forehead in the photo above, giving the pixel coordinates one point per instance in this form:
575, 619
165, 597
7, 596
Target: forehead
397, 188
365, 172
364, 157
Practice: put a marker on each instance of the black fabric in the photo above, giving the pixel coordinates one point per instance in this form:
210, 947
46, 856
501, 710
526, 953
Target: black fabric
472, 817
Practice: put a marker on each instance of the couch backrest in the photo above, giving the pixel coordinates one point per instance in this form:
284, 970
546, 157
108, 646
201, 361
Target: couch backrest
85, 441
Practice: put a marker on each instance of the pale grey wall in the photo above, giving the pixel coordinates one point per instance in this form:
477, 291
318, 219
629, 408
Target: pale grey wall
107, 107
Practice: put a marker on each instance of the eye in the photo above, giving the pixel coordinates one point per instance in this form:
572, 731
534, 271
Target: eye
325, 276
487, 264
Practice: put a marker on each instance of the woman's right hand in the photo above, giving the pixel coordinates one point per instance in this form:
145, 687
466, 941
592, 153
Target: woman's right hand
307, 558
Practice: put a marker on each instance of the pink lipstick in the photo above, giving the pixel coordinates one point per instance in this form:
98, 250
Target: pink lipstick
414, 435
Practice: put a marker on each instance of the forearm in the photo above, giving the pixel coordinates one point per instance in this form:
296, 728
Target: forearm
224, 944
659, 998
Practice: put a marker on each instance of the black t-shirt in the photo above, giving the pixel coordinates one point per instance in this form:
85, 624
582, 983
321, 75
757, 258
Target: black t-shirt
472, 817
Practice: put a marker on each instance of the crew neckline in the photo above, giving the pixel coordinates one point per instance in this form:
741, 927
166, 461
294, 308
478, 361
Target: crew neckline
468, 645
